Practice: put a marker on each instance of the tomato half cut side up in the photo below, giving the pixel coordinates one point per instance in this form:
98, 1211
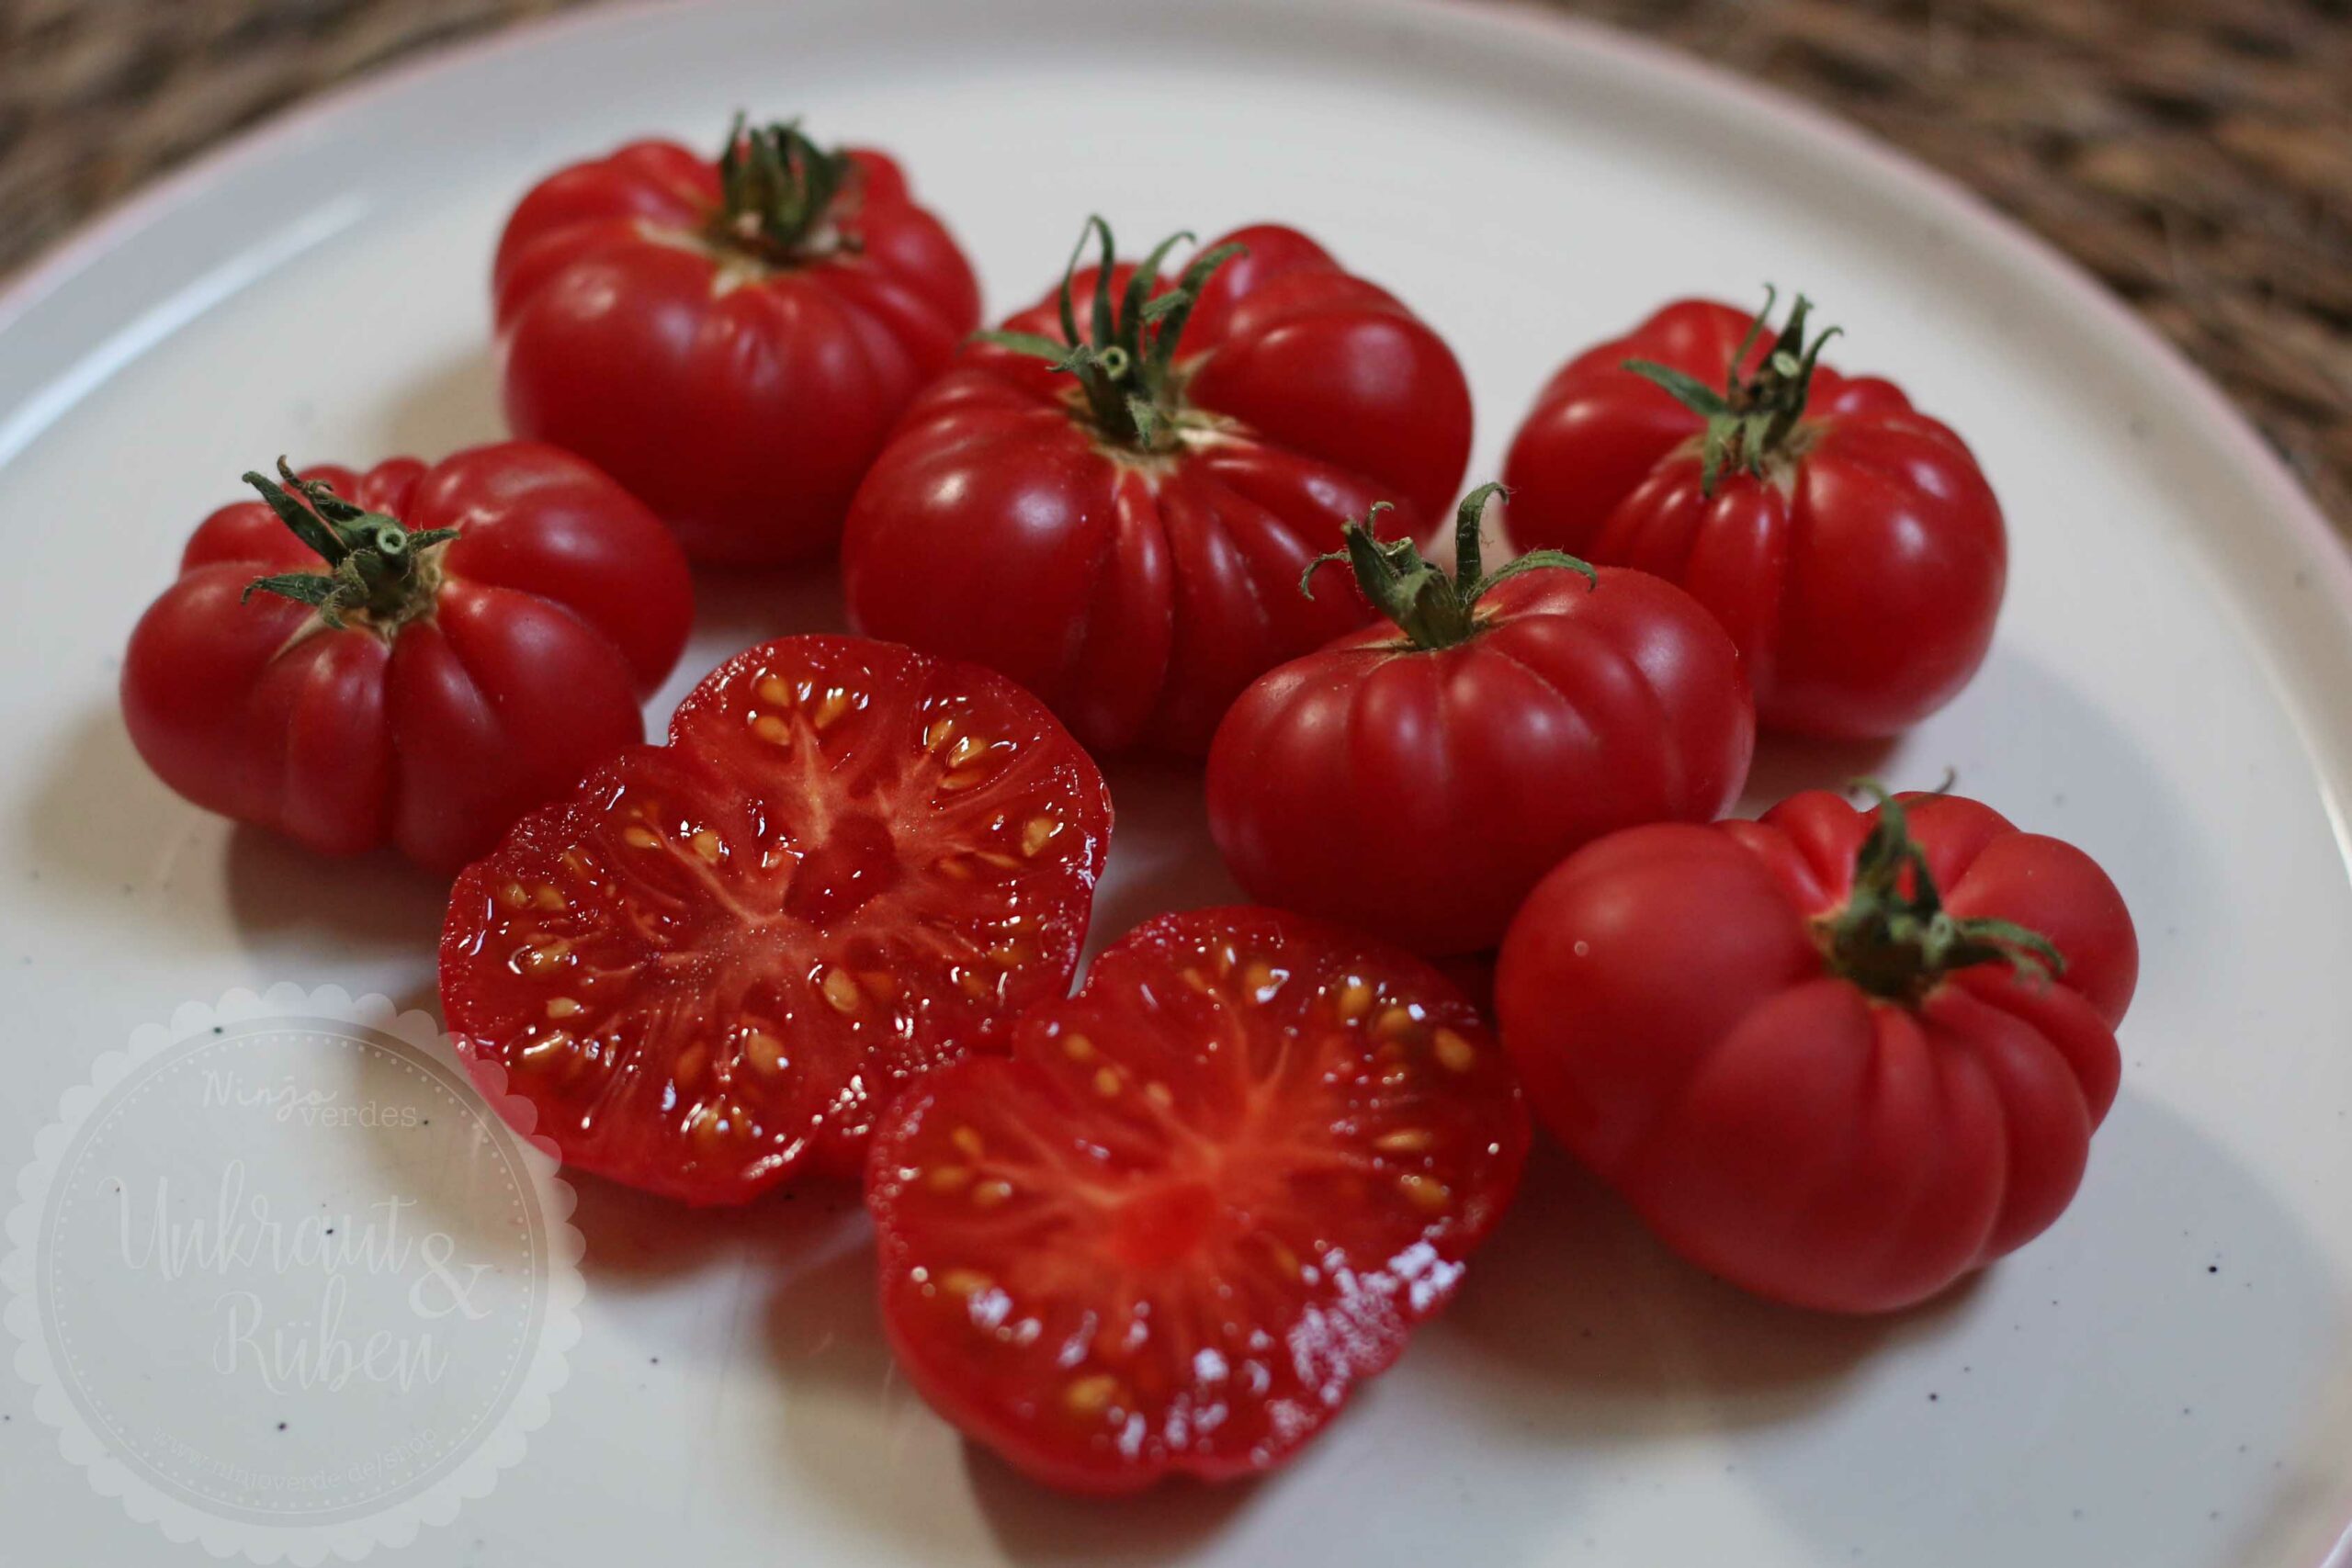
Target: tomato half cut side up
1197, 1203
712, 966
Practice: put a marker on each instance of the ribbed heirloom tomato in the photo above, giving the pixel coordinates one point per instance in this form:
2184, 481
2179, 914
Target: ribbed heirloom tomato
413, 656
1416, 779
1848, 542
715, 963
1115, 511
1200, 1201
1839, 1057
732, 340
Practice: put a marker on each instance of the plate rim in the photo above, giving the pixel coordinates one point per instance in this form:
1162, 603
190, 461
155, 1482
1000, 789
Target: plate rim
1530, 24
1534, 25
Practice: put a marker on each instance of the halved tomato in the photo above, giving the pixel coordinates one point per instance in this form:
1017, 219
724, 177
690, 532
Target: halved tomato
715, 962
1200, 1200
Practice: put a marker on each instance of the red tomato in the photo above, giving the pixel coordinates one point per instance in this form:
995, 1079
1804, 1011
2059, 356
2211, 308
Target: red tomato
732, 340
493, 622
1416, 779
1848, 542
1200, 1201
1125, 538
1840, 1058
718, 960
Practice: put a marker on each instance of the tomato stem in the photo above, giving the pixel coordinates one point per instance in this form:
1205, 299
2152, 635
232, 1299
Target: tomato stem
776, 191
1894, 939
1125, 360
1753, 423
1432, 609
377, 572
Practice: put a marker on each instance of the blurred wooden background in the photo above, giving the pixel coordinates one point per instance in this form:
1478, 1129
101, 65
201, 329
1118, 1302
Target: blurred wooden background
2196, 154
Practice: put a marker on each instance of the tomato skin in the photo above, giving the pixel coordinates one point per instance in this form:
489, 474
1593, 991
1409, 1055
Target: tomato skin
744, 406
1676, 1027
1420, 793
562, 603
711, 966
1861, 583
1198, 1203
1139, 593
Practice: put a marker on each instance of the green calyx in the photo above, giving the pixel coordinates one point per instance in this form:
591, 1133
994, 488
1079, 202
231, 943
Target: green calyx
379, 573
1895, 938
1754, 424
1432, 609
776, 188
1125, 359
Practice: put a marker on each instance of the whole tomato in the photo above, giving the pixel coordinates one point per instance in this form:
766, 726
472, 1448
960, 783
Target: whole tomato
1416, 779
1848, 542
732, 340
415, 655
1838, 1058
1115, 512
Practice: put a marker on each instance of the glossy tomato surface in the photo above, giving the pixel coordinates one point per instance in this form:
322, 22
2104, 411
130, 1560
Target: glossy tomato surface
1138, 591
1668, 1000
1860, 574
715, 963
741, 391
1419, 793
1199, 1202
558, 606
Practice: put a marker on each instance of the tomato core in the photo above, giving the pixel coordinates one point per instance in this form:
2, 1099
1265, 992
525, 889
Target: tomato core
1162, 1225
856, 862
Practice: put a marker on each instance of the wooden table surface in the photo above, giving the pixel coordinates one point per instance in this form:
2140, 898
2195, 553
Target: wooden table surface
2196, 154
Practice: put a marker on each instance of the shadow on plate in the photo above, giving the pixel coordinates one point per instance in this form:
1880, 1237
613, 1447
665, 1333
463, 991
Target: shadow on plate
639, 1240
100, 826
373, 905
1161, 855
1034, 1524
102, 829
1585, 1329
852, 1430
875, 1451
2163, 1376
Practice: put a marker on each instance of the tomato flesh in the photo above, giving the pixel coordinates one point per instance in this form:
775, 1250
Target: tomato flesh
1197, 1203
713, 964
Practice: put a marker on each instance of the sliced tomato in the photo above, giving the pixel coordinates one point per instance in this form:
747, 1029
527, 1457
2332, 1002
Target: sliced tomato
714, 963
1199, 1201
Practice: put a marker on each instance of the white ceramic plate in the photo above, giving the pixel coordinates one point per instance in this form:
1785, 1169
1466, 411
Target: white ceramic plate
2165, 1377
